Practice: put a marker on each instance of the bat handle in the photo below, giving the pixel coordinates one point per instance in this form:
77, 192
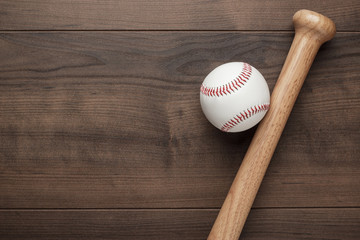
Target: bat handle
311, 30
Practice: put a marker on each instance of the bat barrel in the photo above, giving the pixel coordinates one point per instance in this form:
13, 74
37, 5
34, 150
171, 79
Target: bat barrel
311, 30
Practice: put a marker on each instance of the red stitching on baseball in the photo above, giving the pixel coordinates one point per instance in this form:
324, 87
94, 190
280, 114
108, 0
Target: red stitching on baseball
230, 87
243, 116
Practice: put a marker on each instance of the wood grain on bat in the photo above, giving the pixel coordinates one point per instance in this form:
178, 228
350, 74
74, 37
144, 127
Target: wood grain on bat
311, 30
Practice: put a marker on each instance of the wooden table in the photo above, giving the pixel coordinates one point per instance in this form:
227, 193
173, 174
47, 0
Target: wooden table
102, 135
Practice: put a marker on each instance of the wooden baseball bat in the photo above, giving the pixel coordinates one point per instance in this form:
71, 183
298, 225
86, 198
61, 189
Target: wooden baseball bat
311, 31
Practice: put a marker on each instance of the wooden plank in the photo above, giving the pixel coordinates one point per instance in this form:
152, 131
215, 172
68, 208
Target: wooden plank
112, 120
295, 224
170, 15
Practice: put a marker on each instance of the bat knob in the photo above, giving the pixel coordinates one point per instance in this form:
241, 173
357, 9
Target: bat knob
314, 25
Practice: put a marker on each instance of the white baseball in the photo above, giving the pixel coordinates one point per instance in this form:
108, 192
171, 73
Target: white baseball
234, 97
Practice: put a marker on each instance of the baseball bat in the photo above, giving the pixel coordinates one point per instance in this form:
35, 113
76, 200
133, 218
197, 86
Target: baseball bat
311, 31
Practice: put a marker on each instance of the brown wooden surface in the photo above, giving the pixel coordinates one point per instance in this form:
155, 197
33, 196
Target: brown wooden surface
169, 15
95, 126
182, 224
119, 124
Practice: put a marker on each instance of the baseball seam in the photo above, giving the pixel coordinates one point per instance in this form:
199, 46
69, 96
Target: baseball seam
242, 116
231, 86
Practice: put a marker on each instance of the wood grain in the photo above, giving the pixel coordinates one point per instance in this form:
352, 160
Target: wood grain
169, 15
311, 31
112, 119
279, 224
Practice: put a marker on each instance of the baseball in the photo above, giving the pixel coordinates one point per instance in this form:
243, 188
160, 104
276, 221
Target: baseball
234, 97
